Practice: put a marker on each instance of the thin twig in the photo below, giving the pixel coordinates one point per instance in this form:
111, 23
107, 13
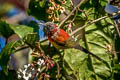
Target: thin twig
43, 40
74, 17
116, 26
115, 54
84, 13
58, 70
88, 24
21, 48
74, 9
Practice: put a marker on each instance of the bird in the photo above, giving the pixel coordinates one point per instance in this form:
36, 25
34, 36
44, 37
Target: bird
61, 39
113, 9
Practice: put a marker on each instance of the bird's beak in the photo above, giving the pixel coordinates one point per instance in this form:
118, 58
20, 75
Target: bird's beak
41, 23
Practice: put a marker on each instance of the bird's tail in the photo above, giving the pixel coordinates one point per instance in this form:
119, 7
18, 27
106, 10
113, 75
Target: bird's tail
90, 53
72, 44
87, 52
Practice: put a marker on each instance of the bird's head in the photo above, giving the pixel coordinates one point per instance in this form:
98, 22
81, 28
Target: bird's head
50, 28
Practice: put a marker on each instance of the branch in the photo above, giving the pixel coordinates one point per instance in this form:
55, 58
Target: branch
84, 13
74, 9
21, 48
116, 26
88, 24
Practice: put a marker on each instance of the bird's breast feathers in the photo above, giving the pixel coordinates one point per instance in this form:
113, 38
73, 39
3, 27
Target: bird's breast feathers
58, 38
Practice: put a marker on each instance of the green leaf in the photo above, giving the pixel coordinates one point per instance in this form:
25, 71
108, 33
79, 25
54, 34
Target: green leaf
30, 38
42, 3
22, 30
96, 38
5, 29
10, 49
87, 67
5, 54
37, 9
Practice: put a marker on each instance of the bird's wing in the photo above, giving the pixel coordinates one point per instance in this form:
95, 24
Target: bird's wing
60, 37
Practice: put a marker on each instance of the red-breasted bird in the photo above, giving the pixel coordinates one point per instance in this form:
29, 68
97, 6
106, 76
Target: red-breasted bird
61, 40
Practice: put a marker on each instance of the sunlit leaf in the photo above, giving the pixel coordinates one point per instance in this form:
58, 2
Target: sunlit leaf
42, 3
22, 30
96, 38
31, 38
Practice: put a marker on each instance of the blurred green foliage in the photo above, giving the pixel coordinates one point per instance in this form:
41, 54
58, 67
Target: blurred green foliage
72, 64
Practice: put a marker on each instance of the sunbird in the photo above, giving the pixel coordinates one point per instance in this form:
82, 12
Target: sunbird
61, 39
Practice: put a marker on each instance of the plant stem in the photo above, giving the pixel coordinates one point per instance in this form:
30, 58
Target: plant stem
116, 26
88, 24
74, 9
